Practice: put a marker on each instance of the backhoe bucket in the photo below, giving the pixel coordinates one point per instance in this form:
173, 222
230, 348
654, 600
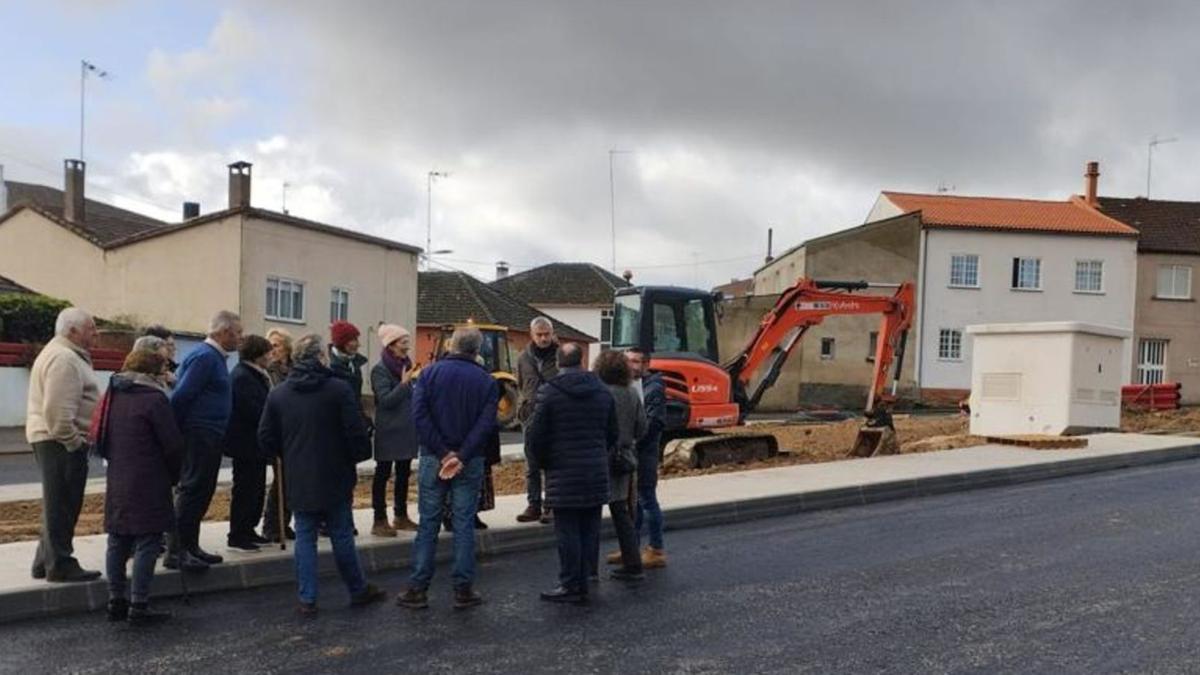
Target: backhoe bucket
875, 441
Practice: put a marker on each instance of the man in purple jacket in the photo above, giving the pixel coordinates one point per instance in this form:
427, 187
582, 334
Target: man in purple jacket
454, 408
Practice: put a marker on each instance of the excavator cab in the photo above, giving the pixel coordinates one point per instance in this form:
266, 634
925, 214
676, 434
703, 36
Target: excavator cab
666, 320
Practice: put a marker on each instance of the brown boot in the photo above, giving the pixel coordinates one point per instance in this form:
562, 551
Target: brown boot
404, 524
614, 558
531, 514
654, 558
547, 517
382, 529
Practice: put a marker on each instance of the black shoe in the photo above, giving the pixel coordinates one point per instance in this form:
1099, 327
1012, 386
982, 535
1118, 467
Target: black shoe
185, 562
371, 594
464, 597
564, 595
141, 615
261, 541
38, 572
208, 558
307, 610
624, 574
243, 544
547, 517
72, 575
413, 599
118, 609
479, 524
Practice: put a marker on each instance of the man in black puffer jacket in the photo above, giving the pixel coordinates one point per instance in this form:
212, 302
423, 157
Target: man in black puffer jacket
573, 433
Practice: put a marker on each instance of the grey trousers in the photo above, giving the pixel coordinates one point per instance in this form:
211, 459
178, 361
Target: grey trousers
145, 549
64, 475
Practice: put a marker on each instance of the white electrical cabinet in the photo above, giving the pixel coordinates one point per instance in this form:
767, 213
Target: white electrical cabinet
1045, 378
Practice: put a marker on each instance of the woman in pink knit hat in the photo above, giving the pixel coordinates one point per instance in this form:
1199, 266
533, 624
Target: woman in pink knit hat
395, 433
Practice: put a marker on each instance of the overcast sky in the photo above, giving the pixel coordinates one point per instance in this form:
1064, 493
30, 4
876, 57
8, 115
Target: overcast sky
732, 117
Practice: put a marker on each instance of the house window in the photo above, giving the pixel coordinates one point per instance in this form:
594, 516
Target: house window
1027, 274
1152, 361
1089, 276
1175, 282
339, 305
285, 299
964, 271
606, 322
827, 348
949, 345
872, 345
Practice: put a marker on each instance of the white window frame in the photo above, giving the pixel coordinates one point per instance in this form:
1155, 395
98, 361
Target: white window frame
1099, 270
1152, 360
965, 258
606, 316
1018, 261
832, 348
339, 304
949, 346
1173, 295
291, 287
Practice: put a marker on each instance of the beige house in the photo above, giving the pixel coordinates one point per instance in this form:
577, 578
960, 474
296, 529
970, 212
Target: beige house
273, 269
779, 273
1166, 316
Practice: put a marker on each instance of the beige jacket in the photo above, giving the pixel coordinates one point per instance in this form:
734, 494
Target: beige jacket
63, 392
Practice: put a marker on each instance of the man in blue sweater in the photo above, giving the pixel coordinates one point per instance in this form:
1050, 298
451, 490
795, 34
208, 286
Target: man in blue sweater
203, 402
454, 408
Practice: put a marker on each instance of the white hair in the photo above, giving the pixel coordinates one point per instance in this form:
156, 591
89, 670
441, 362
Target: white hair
222, 321
71, 318
309, 347
466, 340
541, 322
149, 343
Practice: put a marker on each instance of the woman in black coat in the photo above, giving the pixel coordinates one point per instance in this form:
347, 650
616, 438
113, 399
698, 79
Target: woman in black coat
395, 432
139, 438
250, 383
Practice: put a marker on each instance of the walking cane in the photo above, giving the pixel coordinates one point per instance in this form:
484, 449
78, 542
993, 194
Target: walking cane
183, 587
279, 498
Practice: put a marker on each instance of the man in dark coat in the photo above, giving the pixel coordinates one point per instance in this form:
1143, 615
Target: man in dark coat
314, 423
574, 433
138, 437
454, 407
250, 383
654, 398
535, 366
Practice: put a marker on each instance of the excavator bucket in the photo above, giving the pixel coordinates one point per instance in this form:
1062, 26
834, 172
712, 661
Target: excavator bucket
705, 451
875, 441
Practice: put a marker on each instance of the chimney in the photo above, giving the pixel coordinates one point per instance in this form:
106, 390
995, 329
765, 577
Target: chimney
501, 270
3, 192
1091, 178
239, 185
73, 190
770, 240
191, 210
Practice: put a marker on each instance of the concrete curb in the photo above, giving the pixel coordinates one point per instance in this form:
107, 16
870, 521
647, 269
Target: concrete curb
275, 567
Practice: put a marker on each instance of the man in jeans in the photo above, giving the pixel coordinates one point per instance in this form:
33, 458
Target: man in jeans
62, 395
454, 408
536, 365
654, 398
314, 423
203, 401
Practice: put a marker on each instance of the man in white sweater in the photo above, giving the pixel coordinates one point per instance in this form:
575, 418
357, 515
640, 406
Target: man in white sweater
62, 395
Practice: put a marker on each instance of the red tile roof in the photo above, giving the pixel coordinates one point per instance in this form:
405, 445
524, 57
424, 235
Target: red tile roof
995, 213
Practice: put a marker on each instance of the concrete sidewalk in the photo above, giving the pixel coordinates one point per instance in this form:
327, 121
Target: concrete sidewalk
689, 502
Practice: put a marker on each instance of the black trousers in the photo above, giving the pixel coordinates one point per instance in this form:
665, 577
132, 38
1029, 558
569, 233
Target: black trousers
383, 472
627, 537
271, 515
197, 482
248, 493
64, 475
578, 534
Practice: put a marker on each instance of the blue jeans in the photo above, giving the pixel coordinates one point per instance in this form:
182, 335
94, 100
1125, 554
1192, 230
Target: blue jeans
145, 549
340, 522
578, 535
648, 510
464, 502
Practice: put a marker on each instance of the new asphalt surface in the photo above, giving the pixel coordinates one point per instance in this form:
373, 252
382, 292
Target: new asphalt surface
1089, 574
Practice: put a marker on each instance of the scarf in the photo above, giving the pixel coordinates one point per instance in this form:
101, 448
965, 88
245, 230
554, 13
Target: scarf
545, 353
396, 366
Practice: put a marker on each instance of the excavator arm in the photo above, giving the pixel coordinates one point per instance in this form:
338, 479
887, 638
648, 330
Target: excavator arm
806, 304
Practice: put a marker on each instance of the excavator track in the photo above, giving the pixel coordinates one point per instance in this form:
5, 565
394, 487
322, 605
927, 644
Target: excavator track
700, 452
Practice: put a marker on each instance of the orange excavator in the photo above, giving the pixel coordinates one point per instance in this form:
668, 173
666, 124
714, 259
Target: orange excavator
677, 327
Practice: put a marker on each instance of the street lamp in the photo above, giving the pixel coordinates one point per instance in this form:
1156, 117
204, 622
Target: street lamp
429, 206
428, 255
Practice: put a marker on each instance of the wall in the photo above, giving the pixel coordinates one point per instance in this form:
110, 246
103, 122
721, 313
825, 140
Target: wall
14, 393
1175, 320
44, 256
781, 273
382, 282
884, 252
995, 302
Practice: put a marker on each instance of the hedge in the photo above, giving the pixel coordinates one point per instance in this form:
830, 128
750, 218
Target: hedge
26, 317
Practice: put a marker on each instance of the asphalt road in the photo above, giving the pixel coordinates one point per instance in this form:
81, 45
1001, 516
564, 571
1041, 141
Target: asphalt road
1090, 574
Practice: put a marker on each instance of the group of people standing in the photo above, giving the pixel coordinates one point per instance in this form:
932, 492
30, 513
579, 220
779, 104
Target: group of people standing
591, 438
